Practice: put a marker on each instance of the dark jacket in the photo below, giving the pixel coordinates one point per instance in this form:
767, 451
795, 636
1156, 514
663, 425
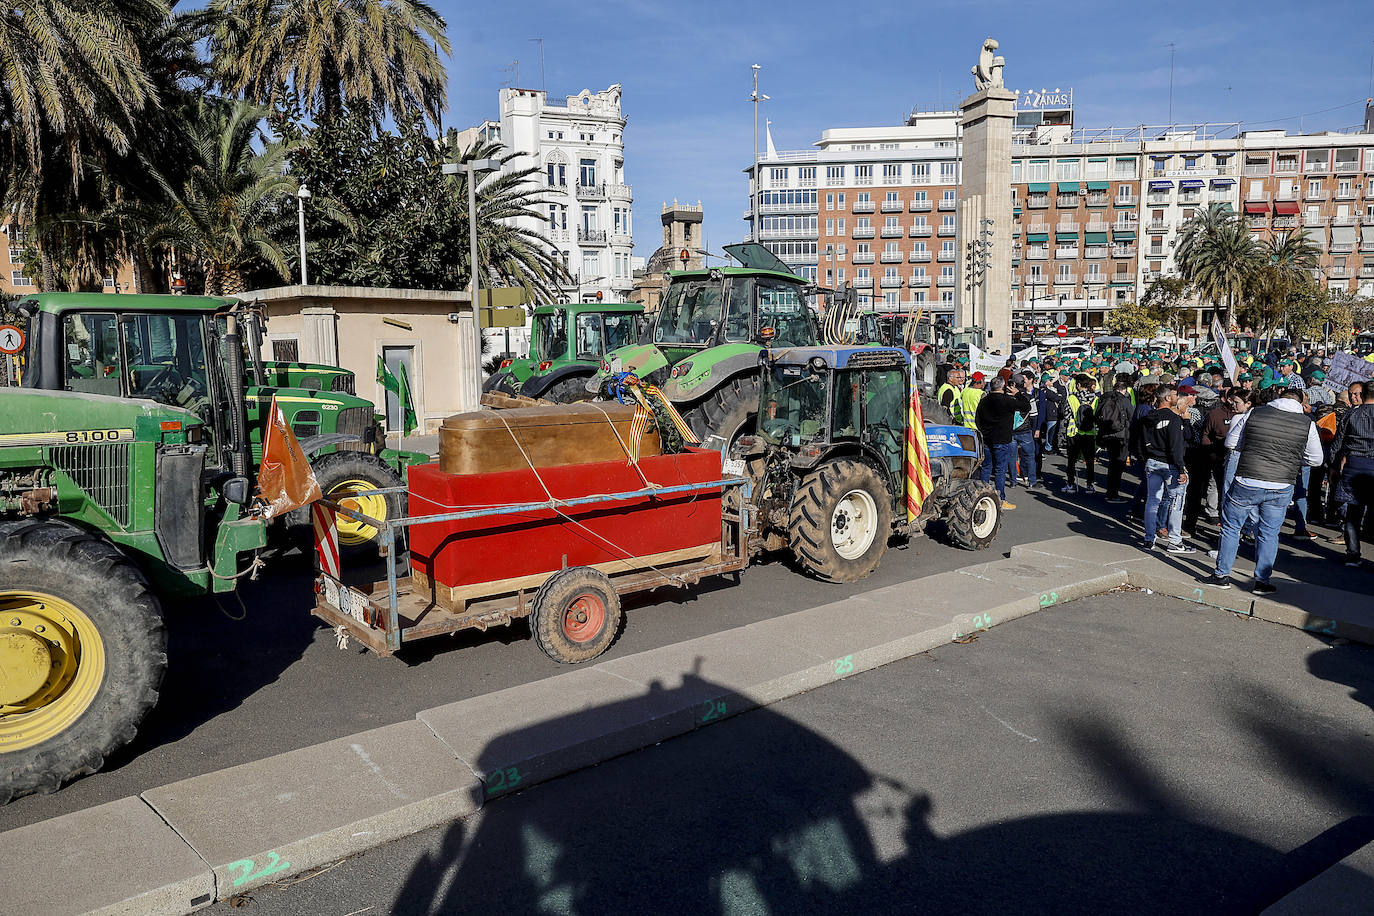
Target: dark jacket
996, 413
1161, 437
1215, 427
1135, 443
1114, 415
1049, 405
1355, 434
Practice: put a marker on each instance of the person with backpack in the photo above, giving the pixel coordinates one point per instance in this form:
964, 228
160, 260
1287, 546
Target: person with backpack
1080, 431
1113, 428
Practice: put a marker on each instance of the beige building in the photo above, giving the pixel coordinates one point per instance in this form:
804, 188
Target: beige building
681, 233
430, 332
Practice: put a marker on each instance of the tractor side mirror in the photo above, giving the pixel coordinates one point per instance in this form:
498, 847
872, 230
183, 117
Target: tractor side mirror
236, 490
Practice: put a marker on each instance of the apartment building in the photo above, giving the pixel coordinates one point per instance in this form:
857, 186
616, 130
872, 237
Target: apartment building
20, 279
786, 207
1096, 212
578, 148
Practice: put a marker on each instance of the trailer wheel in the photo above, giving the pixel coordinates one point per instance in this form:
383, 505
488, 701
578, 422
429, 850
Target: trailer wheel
576, 615
974, 515
82, 654
352, 476
840, 520
726, 413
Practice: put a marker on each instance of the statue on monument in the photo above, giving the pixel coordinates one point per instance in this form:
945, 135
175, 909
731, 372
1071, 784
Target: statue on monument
987, 74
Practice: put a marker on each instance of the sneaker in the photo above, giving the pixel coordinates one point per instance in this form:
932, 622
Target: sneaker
1088, 488
1117, 500
1213, 554
1181, 548
1263, 588
1023, 481
1215, 581
1352, 560
1148, 545
1068, 488
1308, 535
1007, 505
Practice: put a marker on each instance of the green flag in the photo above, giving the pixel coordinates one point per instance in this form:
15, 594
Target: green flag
399, 386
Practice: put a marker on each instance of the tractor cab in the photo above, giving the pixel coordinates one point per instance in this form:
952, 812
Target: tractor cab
567, 344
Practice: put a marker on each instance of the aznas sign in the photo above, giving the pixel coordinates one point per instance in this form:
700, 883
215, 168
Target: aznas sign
1041, 99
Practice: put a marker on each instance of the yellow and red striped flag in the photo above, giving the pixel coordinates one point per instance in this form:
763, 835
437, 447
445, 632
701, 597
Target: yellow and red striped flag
918, 479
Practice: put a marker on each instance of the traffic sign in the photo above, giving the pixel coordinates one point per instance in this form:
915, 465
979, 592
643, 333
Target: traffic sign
11, 339
1061, 318
1062, 331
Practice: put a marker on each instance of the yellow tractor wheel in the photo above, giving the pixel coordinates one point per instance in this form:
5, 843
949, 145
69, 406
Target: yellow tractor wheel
353, 480
82, 654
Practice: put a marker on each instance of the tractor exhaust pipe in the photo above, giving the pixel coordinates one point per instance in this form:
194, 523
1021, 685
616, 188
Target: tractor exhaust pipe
238, 410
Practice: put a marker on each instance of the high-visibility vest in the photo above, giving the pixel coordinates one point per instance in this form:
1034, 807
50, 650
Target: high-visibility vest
956, 403
970, 398
1071, 423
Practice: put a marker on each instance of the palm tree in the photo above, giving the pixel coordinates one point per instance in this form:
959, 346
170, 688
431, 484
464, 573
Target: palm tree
510, 255
1284, 281
234, 202
326, 53
1216, 255
1167, 299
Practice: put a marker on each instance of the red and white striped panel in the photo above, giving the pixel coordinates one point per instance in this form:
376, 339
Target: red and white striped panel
326, 538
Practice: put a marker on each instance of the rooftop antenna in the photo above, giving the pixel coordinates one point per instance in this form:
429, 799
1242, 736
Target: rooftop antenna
1171, 85
542, 86
755, 97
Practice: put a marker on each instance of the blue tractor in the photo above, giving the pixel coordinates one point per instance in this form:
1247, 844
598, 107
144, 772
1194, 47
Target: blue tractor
827, 462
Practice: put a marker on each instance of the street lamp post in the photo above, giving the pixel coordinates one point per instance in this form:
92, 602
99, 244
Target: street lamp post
755, 97
302, 195
472, 167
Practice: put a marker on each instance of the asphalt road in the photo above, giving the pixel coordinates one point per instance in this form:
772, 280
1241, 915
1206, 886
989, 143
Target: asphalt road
1122, 753
254, 674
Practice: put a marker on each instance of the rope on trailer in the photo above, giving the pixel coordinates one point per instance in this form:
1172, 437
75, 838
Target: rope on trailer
555, 502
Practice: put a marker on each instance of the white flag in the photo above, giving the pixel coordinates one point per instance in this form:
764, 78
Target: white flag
1228, 359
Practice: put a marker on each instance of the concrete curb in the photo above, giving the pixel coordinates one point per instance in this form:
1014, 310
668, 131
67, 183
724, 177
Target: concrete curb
212, 836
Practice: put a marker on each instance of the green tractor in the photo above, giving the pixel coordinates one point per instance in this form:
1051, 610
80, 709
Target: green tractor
567, 343
150, 347
108, 501
827, 464
711, 328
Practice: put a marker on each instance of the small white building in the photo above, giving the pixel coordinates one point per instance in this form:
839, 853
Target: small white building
579, 149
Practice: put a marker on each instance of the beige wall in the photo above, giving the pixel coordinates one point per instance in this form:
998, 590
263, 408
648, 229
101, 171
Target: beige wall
349, 326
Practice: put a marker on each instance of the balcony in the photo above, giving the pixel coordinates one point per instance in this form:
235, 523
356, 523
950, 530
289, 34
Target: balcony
1257, 171
1347, 165
1190, 197
1095, 252
1097, 226
1123, 251
1129, 200
948, 204
1287, 194
919, 257
1345, 194
919, 206
591, 236
1066, 254
1348, 219
864, 257
1038, 229
864, 206
893, 206
1098, 200
1316, 168
1151, 276
1037, 254
919, 232
1342, 247
1065, 279
1066, 201
946, 230
1315, 195
890, 282
1155, 253
945, 256
1094, 279
1126, 227
1037, 202
767, 233
1066, 226
1157, 225
1367, 247
591, 192
892, 232
1156, 199
918, 280
892, 257
619, 191
943, 280
1286, 167
1367, 273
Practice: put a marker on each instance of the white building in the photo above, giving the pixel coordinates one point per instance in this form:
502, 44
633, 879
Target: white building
579, 150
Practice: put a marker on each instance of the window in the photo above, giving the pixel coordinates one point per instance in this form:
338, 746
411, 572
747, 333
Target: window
778, 177
1038, 170
862, 222
919, 295
1124, 167
1314, 187
1095, 169
109, 281
892, 174
286, 350
589, 222
621, 221
17, 278
863, 197
1064, 272
947, 221
890, 223
863, 174
1125, 192
947, 250
861, 273
920, 173
834, 175
806, 174
558, 175
830, 227
1067, 169
839, 226
891, 197
891, 248
920, 275
591, 266
949, 196
586, 172
1017, 166
890, 300
830, 201
558, 216
949, 172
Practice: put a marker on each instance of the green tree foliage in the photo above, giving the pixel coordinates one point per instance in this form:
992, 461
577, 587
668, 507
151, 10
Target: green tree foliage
325, 55
1167, 301
1132, 319
411, 219
1216, 256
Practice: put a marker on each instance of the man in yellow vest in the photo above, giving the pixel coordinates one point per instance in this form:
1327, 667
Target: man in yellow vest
1080, 432
950, 395
972, 395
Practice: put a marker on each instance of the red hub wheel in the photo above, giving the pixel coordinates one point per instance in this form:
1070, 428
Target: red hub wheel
584, 618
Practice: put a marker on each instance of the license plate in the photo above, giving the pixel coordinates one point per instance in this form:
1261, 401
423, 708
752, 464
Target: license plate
345, 600
732, 467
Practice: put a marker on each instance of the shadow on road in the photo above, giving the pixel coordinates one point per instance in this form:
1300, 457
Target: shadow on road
760, 814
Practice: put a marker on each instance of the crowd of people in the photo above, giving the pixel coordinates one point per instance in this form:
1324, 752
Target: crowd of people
1240, 453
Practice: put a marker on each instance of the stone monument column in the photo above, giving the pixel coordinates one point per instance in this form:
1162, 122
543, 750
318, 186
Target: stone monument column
985, 204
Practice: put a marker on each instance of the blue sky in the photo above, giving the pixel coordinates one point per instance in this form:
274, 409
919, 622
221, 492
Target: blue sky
685, 71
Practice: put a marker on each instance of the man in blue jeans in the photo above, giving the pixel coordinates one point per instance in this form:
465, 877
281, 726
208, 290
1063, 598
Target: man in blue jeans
1273, 442
996, 417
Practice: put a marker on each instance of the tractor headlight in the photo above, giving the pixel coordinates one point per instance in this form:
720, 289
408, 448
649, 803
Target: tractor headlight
682, 369
817, 363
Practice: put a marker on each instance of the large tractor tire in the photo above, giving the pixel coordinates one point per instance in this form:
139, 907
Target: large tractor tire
726, 413
352, 476
840, 520
576, 615
935, 412
974, 515
568, 390
82, 654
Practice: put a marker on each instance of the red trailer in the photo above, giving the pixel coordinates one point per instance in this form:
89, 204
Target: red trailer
559, 545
